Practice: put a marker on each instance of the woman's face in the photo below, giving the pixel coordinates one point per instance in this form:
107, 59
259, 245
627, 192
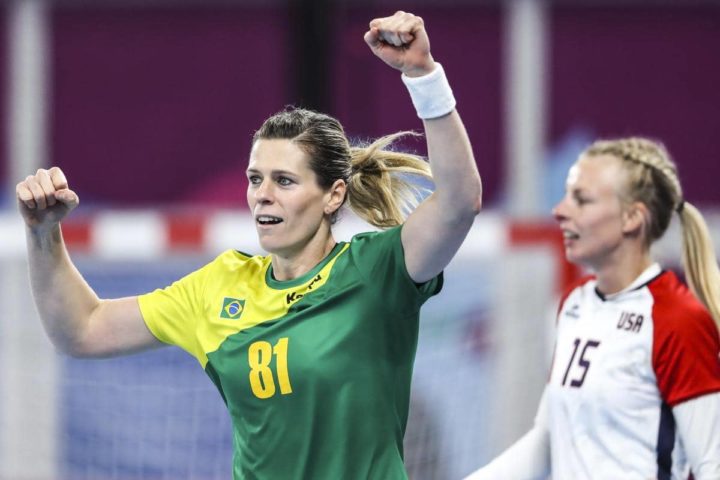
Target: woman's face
591, 214
286, 202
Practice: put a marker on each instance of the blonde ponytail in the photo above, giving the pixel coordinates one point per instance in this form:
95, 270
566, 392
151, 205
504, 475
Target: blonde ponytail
699, 260
383, 186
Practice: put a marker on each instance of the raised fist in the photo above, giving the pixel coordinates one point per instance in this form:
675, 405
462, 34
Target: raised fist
402, 42
44, 199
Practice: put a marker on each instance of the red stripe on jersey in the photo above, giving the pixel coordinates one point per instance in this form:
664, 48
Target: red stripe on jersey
686, 343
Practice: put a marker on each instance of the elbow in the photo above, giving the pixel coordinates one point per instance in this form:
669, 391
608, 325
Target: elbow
477, 203
71, 347
465, 214
72, 344
474, 201
461, 208
79, 352
474, 196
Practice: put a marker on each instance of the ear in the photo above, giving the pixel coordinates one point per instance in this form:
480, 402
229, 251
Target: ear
635, 218
335, 196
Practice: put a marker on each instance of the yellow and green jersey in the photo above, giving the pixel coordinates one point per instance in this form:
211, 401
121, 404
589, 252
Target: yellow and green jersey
315, 371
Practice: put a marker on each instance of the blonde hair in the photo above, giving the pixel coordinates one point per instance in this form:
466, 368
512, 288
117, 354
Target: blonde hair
653, 180
382, 184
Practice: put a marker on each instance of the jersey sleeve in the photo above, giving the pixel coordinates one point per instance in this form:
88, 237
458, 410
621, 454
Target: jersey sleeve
172, 313
685, 348
380, 257
697, 420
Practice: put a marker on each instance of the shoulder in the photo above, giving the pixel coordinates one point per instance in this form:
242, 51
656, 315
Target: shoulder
229, 264
379, 258
235, 259
377, 243
676, 310
685, 341
235, 266
376, 236
586, 281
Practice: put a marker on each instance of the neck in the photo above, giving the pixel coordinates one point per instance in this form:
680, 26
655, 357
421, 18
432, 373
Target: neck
618, 273
288, 266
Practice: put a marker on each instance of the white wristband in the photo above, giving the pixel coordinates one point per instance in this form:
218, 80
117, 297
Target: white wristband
431, 94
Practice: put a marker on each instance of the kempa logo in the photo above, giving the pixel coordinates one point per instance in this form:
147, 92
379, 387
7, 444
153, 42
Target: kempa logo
294, 296
232, 308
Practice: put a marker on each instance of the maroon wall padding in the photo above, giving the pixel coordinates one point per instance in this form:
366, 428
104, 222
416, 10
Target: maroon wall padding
4, 67
371, 100
154, 107
157, 106
653, 72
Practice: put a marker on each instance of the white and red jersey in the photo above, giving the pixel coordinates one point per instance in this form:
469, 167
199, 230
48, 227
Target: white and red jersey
621, 363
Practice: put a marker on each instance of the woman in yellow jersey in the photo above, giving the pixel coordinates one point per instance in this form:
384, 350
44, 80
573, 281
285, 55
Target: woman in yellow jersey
312, 346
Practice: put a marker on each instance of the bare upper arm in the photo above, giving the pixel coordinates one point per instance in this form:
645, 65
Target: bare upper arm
116, 327
431, 237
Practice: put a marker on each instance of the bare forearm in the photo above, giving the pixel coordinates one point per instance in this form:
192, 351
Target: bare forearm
63, 298
457, 181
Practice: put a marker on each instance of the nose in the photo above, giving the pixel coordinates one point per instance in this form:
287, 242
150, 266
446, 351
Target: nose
263, 192
559, 211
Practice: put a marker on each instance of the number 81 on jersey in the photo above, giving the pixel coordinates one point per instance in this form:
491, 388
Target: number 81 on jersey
262, 380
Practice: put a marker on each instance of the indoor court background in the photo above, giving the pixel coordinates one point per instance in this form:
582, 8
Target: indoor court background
149, 107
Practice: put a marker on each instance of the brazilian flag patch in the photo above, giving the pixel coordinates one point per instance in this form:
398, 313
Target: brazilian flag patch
232, 308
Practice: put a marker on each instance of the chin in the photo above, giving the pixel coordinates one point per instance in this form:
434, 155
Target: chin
267, 244
270, 247
575, 258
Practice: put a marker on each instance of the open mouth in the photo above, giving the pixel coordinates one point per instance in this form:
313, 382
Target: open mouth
268, 220
568, 235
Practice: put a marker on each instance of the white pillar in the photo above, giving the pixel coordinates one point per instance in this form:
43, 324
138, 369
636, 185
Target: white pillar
520, 327
525, 73
28, 382
28, 364
27, 88
522, 316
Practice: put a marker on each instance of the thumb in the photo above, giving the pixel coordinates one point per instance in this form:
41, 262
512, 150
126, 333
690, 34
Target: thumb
372, 38
67, 197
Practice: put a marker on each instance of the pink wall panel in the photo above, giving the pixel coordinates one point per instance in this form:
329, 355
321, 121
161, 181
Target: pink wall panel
4, 169
652, 72
159, 106
371, 100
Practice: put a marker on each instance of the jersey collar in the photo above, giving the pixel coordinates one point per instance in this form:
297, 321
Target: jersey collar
643, 279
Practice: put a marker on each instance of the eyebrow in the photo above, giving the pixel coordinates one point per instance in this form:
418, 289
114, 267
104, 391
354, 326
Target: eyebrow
273, 172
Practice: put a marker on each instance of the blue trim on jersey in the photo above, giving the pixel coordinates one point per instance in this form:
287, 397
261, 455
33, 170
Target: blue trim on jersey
665, 443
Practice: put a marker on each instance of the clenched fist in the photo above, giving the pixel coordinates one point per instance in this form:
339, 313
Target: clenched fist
44, 199
402, 42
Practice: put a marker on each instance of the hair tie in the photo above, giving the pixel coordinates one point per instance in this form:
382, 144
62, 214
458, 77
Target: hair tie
681, 206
